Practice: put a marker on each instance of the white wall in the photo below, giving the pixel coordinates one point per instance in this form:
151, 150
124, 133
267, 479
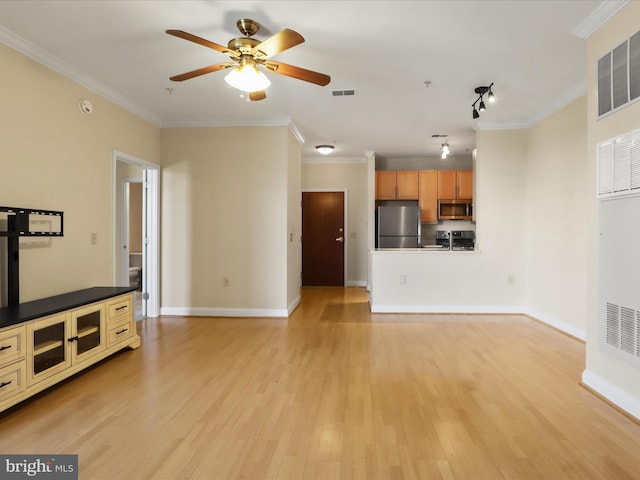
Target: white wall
54, 157
558, 193
611, 375
348, 174
226, 215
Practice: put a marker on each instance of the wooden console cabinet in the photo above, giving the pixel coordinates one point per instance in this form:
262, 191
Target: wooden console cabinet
45, 341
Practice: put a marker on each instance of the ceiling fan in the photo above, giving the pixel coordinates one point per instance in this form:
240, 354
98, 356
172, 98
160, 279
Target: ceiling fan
247, 54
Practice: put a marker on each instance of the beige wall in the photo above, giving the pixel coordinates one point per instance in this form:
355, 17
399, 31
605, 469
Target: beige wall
500, 202
53, 157
349, 175
226, 215
611, 374
557, 217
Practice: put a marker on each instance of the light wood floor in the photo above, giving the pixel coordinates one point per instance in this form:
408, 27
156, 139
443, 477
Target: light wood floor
334, 393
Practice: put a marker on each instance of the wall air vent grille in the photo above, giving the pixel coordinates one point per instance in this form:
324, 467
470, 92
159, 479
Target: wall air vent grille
619, 76
622, 325
343, 93
619, 165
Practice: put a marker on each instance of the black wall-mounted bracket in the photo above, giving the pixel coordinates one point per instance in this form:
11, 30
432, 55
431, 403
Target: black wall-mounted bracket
19, 225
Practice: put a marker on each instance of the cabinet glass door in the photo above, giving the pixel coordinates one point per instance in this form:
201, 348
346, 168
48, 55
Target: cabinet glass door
47, 349
88, 331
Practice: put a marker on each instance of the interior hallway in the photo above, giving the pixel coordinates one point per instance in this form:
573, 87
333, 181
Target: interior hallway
333, 392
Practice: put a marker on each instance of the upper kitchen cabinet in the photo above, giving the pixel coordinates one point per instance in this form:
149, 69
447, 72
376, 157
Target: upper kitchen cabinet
454, 184
428, 182
397, 185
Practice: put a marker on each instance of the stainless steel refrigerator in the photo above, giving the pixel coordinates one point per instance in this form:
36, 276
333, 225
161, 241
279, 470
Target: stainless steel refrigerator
398, 227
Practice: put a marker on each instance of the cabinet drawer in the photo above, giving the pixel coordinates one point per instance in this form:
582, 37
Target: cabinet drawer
12, 380
12, 345
119, 307
119, 332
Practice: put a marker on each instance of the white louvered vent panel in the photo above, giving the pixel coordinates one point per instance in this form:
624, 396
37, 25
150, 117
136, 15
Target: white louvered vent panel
621, 169
604, 84
620, 71
628, 330
618, 76
622, 325
634, 66
634, 160
637, 334
613, 325
605, 168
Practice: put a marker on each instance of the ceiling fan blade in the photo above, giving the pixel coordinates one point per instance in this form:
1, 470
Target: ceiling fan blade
202, 71
201, 41
299, 73
279, 42
257, 95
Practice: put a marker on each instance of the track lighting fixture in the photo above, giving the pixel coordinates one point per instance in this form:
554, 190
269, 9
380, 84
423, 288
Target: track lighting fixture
482, 91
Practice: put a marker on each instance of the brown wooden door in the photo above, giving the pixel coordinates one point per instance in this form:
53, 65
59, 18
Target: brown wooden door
322, 238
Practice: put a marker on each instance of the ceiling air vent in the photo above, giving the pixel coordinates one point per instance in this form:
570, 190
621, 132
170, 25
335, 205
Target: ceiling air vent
343, 93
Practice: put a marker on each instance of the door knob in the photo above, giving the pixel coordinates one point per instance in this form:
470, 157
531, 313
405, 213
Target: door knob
340, 239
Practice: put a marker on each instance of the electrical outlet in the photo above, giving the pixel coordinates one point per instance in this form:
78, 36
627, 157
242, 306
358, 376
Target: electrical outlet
225, 282
403, 279
94, 238
512, 280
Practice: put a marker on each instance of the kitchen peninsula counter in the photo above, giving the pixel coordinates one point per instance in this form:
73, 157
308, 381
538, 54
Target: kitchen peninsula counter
422, 280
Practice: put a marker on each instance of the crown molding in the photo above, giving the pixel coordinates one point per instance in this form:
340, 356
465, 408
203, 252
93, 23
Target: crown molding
598, 17
296, 133
52, 62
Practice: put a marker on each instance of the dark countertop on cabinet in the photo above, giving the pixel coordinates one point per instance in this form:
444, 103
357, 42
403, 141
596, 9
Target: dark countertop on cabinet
24, 312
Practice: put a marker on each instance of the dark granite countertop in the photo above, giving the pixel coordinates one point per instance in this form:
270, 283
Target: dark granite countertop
48, 306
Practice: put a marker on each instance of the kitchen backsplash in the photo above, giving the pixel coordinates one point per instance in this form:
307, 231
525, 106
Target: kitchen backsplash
429, 230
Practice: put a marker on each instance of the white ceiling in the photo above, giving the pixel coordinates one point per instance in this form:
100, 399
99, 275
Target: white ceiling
533, 51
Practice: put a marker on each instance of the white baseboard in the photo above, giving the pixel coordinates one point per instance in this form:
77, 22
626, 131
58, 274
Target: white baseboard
615, 395
569, 329
357, 283
294, 304
222, 312
484, 309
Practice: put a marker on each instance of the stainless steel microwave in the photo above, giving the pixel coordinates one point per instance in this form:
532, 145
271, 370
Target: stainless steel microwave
458, 209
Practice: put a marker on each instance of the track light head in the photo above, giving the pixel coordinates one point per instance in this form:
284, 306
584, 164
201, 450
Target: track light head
475, 113
482, 106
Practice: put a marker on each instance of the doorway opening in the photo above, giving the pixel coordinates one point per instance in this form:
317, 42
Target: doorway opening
324, 238
136, 232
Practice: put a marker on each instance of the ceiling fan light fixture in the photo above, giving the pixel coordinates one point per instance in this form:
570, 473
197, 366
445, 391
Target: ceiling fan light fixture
325, 149
247, 77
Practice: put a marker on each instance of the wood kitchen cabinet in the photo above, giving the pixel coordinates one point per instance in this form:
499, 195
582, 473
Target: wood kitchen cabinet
397, 185
428, 183
455, 184
385, 185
